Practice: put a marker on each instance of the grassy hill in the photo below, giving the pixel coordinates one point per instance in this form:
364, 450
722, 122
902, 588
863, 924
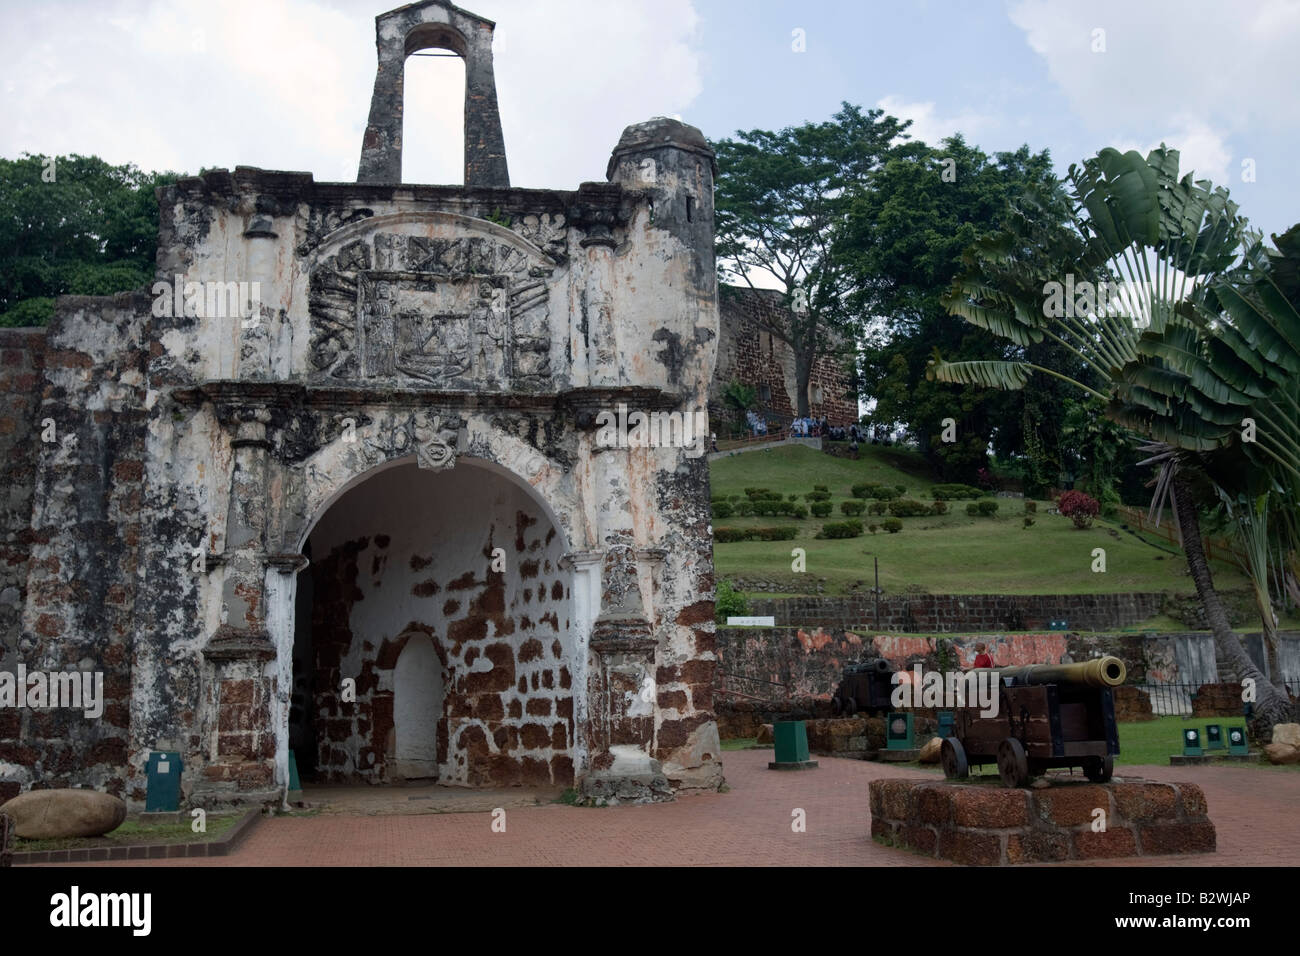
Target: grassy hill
952, 553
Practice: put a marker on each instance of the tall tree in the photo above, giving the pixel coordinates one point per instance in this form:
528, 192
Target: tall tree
1158, 239
72, 225
905, 239
781, 201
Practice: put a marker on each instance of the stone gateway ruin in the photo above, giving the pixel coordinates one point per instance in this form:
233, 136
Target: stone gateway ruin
336, 484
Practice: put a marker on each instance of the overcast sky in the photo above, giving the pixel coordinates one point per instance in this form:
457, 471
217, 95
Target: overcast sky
285, 84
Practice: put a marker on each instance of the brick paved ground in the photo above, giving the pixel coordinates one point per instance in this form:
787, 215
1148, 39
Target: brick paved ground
1257, 813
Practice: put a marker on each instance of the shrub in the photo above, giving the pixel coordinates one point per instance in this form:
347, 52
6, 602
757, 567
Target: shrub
939, 508
821, 509
722, 509
763, 507
908, 508
817, 496
987, 507
733, 498
876, 508
1029, 520
955, 492
852, 508
886, 492
729, 602
776, 534
820, 488
842, 529
861, 491
793, 497
744, 509
751, 492
901, 489
799, 512
1079, 508
973, 509
1030, 507
728, 535
873, 528
892, 525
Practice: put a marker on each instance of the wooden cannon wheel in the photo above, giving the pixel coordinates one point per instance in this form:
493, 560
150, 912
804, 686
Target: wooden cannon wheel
1099, 769
952, 755
848, 706
1013, 765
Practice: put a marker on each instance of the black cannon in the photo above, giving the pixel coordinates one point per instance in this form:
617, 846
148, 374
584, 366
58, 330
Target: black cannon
864, 687
1048, 716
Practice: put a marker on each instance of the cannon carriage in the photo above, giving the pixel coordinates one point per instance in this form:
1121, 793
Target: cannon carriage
865, 687
1048, 716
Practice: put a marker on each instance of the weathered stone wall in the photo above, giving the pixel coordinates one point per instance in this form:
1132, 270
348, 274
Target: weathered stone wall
86, 536
340, 330
752, 356
954, 613
22, 363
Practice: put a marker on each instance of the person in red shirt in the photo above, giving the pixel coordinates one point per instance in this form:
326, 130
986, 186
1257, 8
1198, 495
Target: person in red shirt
982, 658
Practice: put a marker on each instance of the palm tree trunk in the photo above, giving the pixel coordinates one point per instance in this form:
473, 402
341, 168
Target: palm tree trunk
1270, 704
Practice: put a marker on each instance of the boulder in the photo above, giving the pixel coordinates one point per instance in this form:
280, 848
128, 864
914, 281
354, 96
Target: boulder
1287, 734
765, 734
930, 751
1282, 753
51, 814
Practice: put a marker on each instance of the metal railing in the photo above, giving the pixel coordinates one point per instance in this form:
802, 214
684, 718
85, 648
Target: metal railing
1177, 698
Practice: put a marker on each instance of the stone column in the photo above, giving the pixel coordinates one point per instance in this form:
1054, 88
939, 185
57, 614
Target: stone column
240, 697
621, 682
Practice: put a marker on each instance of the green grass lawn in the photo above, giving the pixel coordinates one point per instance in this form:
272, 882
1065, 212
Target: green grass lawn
1143, 742
133, 832
948, 554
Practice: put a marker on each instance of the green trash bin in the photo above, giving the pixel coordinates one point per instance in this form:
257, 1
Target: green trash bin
163, 776
791, 739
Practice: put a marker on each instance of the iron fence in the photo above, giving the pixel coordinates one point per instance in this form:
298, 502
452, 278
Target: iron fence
1177, 698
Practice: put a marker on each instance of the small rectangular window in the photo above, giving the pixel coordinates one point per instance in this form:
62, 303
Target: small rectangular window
690, 209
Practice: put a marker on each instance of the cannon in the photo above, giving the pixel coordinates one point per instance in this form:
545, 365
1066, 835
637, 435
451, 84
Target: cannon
1049, 716
864, 687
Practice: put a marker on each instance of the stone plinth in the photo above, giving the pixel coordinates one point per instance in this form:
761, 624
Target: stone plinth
989, 825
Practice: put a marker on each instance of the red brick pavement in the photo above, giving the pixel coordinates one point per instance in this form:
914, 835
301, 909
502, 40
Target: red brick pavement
1257, 813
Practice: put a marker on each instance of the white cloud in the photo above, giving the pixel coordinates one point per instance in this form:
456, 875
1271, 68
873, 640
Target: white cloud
286, 84
1221, 63
931, 128
1202, 149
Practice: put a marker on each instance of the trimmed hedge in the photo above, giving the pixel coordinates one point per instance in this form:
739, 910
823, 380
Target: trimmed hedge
873, 489
939, 508
842, 529
892, 525
817, 496
722, 509
955, 492
876, 508
852, 508
729, 535
988, 507
908, 508
820, 509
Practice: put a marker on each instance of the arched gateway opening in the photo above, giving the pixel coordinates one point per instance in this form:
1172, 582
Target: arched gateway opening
440, 596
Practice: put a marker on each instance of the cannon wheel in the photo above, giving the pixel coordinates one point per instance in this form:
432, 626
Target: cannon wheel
836, 706
953, 757
1013, 766
849, 706
1099, 769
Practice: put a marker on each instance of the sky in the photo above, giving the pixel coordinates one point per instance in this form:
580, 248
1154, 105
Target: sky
285, 84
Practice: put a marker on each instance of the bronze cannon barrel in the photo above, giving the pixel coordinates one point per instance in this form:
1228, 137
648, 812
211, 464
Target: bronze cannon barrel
1099, 672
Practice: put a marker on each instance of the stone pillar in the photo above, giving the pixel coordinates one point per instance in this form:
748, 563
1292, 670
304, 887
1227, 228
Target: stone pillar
240, 697
621, 680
